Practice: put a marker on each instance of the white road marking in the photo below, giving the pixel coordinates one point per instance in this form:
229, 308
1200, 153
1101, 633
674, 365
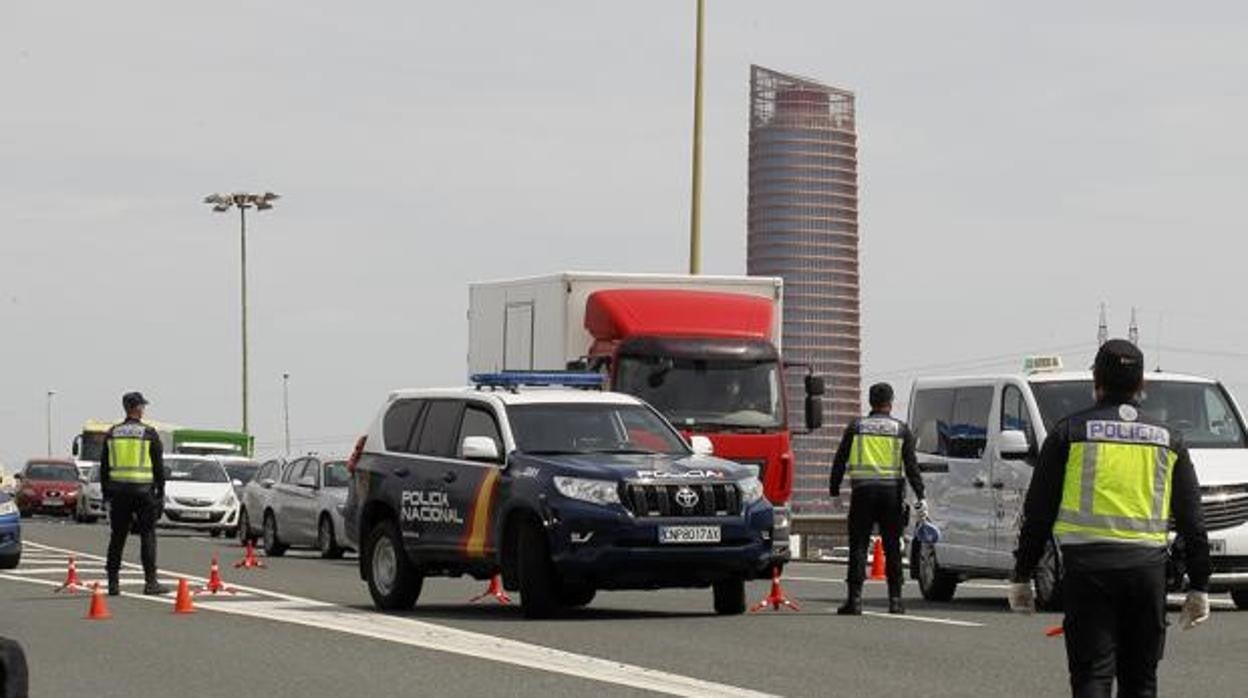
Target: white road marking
827, 580
295, 610
924, 619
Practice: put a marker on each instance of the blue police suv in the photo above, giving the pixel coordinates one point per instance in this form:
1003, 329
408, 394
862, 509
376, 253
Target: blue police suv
563, 491
10, 533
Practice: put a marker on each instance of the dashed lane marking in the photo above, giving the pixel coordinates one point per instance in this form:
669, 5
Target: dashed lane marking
828, 580
923, 619
294, 610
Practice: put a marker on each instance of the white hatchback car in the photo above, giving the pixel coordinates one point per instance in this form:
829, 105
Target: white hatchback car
198, 495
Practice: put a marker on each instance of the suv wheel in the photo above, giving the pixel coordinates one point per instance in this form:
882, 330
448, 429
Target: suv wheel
537, 575
325, 541
273, 546
244, 527
730, 597
934, 583
1240, 597
393, 581
1048, 580
8, 562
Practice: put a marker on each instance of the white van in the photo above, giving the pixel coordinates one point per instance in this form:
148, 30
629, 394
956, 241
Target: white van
978, 439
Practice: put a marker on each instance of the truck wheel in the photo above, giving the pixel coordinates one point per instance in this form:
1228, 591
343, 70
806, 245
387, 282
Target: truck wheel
1048, 580
1240, 597
393, 581
325, 541
537, 575
273, 546
730, 597
576, 595
934, 583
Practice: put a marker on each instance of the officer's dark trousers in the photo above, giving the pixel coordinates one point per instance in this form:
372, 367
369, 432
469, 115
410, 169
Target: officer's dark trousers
1115, 627
133, 509
869, 506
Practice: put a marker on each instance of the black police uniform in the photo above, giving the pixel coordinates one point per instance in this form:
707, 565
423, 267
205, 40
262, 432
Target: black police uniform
874, 503
134, 507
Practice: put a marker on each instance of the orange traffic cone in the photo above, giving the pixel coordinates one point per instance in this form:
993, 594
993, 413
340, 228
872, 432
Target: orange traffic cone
494, 591
1055, 631
249, 558
184, 603
99, 607
72, 583
776, 597
877, 561
215, 584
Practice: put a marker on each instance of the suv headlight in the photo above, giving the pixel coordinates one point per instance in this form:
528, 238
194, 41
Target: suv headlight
751, 490
8, 508
595, 491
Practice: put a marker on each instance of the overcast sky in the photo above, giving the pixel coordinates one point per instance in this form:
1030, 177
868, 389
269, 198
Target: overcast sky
1019, 165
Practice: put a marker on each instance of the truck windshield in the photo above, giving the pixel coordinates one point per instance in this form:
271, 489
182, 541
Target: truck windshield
92, 446
706, 393
1200, 411
592, 428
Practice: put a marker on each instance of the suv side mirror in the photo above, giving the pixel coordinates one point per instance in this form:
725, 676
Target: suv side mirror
77, 440
266, 483
237, 482
814, 412
480, 448
815, 385
308, 481
701, 445
1014, 445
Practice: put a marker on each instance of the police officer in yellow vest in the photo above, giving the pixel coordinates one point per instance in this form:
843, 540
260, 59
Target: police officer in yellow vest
1108, 482
878, 453
132, 477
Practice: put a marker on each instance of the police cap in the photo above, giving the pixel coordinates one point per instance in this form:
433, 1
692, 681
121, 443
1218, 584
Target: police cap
1119, 366
133, 400
880, 394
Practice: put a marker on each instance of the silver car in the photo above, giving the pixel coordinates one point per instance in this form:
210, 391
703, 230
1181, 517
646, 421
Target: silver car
255, 497
91, 499
305, 507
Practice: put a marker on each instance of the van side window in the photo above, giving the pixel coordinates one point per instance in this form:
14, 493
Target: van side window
931, 415
396, 428
968, 433
1014, 414
438, 429
478, 421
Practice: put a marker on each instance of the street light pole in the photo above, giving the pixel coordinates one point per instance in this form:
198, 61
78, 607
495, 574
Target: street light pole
242, 201
695, 209
286, 408
49, 421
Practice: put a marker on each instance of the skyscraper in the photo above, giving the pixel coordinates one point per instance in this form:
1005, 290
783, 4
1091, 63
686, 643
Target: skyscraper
803, 227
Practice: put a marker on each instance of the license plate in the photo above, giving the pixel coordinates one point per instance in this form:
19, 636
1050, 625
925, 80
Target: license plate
1217, 547
51, 502
195, 515
689, 534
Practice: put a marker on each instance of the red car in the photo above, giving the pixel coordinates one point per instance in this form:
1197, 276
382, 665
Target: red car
48, 486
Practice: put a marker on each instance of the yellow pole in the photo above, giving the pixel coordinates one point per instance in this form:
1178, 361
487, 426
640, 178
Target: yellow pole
695, 211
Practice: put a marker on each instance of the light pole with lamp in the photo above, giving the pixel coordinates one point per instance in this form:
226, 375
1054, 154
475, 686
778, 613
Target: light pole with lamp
49, 421
286, 409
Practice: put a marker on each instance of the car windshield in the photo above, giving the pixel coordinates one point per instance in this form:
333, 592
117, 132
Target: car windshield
92, 445
336, 474
1200, 411
242, 471
194, 471
51, 473
592, 428
708, 393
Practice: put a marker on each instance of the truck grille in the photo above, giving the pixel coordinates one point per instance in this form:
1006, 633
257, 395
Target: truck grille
1224, 507
712, 499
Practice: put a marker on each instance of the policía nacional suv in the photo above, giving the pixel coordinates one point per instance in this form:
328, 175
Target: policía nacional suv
564, 491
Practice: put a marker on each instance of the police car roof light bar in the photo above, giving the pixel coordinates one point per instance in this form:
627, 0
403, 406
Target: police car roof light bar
513, 380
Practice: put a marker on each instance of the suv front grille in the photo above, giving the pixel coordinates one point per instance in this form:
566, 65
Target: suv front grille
1225, 506
710, 499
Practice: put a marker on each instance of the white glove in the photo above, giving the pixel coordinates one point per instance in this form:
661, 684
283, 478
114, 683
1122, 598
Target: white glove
1195, 610
1022, 597
920, 509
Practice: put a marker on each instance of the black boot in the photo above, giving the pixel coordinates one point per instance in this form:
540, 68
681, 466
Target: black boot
114, 584
153, 587
895, 606
853, 604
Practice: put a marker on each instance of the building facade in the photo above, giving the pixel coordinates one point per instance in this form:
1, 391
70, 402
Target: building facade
803, 227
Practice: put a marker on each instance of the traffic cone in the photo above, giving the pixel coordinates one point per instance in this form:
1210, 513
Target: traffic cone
249, 558
495, 591
72, 583
877, 561
99, 607
776, 597
215, 584
1055, 631
184, 604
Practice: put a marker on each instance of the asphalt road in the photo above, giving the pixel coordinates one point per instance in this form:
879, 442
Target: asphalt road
304, 626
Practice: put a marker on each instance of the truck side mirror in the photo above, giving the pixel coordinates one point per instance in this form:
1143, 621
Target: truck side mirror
814, 385
814, 412
77, 441
1014, 445
480, 448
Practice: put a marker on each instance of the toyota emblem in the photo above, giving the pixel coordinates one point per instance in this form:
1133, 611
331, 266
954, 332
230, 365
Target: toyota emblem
686, 498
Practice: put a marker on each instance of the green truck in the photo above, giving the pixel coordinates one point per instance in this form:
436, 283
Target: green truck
206, 442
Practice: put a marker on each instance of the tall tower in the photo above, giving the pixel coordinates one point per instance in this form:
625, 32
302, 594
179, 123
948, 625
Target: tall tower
803, 227
1133, 332
1102, 330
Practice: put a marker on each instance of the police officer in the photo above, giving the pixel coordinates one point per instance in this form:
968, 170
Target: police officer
132, 477
877, 451
1106, 485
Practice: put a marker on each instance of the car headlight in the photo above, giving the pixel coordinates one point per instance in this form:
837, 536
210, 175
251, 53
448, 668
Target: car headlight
595, 491
8, 508
751, 489
227, 499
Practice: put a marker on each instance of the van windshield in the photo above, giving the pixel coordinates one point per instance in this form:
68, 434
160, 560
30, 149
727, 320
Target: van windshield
1200, 411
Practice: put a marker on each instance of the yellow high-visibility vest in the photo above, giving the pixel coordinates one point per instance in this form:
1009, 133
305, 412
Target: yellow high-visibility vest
130, 454
1117, 486
875, 453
